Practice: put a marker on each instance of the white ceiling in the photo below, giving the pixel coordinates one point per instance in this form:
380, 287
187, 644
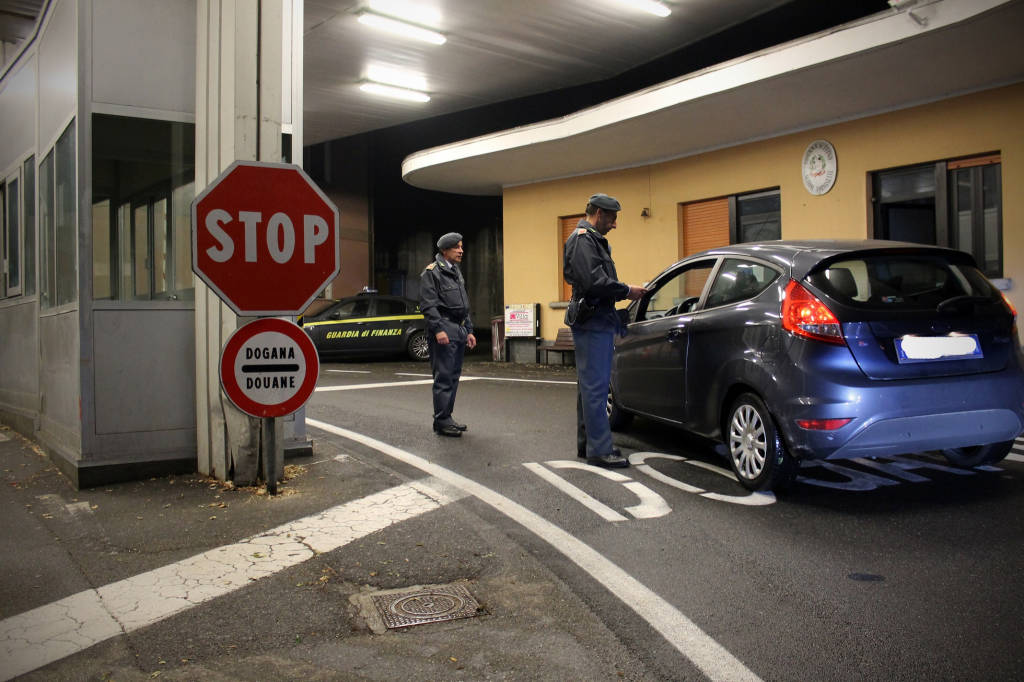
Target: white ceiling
496, 50
882, 63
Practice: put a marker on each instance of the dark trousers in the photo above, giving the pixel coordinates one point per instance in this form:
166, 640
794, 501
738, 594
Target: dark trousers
446, 363
594, 346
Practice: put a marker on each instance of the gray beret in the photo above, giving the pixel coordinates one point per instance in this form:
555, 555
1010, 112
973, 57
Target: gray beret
449, 241
604, 201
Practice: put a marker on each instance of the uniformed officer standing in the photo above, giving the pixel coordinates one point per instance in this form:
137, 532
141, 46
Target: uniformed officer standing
589, 268
445, 305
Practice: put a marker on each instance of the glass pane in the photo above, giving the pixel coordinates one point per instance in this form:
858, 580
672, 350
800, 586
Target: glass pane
964, 209
161, 249
13, 227
181, 240
992, 199
759, 216
28, 175
102, 267
680, 293
67, 226
907, 183
739, 281
140, 252
146, 162
47, 229
124, 252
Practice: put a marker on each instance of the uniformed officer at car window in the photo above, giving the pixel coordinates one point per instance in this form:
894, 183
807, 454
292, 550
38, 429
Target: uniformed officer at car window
589, 268
445, 305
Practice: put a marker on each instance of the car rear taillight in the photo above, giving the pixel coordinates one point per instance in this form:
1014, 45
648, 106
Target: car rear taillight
805, 315
822, 424
1006, 300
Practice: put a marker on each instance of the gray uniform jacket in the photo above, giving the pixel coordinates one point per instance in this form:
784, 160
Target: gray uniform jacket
589, 268
443, 296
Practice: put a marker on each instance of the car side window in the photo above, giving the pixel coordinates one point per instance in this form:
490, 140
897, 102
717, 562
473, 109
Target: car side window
739, 280
678, 293
389, 306
347, 309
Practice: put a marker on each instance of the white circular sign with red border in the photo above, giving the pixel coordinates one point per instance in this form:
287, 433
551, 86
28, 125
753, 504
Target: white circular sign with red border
269, 367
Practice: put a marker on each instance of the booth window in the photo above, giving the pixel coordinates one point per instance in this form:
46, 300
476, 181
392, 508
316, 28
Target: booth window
143, 186
57, 224
10, 200
28, 203
954, 203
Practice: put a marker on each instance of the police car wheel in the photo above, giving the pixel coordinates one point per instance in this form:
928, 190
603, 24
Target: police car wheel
418, 347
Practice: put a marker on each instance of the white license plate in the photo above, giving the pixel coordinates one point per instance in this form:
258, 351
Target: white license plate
913, 348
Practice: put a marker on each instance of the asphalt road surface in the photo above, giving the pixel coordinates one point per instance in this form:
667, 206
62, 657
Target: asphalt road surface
896, 569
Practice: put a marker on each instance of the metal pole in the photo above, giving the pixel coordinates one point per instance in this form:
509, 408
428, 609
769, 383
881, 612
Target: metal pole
268, 449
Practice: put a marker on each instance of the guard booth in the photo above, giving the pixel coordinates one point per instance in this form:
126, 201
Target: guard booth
98, 167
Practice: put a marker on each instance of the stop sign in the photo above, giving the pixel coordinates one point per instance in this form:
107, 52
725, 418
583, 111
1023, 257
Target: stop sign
265, 238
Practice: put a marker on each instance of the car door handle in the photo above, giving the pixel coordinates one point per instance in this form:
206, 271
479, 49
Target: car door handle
674, 335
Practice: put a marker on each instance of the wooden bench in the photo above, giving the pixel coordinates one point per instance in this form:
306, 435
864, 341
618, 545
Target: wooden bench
563, 345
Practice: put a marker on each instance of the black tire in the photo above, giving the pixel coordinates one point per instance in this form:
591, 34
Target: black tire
618, 418
418, 347
976, 455
756, 452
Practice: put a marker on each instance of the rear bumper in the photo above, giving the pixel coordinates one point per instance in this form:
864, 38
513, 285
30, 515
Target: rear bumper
901, 417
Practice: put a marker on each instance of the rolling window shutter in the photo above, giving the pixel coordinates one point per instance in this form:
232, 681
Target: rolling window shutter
703, 225
567, 225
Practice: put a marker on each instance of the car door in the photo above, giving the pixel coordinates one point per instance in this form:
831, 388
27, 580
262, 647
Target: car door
650, 361
386, 326
338, 330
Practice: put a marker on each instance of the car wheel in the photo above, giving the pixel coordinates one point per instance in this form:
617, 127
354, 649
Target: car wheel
976, 455
756, 452
618, 418
418, 347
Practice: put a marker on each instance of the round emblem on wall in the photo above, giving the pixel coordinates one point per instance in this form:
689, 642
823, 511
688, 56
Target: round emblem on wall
819, 167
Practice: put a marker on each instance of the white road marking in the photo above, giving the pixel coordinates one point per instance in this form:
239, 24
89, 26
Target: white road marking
1015, 458
464, 377
758, 499
383, 384
49, 633
652, 505
350, 371
682, 633
599, 508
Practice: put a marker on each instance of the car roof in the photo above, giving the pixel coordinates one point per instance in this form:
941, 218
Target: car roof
799, 257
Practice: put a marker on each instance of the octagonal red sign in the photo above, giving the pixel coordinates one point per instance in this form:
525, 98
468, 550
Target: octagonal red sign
265, 238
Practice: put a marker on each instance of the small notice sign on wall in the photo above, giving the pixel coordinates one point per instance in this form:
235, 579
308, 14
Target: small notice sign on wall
521, 319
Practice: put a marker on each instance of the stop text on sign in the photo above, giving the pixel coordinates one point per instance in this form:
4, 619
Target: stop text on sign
279, 236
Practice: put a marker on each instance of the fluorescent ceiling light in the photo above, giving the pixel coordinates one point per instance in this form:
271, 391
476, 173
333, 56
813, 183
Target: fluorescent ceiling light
394, 93
401, 78
650, 6
401, 28
415, 12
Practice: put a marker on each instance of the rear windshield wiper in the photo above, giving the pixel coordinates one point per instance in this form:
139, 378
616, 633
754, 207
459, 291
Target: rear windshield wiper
958, 301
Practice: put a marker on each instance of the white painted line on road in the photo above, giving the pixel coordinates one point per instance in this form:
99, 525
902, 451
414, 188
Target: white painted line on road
350, 371
49, 633
1015, 458
682, 633
652, 505
464, 377
385, 384
599, 508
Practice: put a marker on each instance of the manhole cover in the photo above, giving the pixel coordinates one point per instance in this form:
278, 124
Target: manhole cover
425, 605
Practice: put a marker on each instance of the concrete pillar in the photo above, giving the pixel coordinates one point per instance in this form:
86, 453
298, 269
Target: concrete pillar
243, 57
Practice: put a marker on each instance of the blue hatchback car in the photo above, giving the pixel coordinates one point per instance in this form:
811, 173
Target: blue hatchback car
794, 350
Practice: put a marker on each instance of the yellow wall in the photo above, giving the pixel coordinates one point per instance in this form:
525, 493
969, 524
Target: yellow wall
991, 121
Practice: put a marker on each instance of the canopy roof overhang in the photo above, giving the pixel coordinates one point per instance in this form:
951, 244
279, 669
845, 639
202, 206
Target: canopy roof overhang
924, 52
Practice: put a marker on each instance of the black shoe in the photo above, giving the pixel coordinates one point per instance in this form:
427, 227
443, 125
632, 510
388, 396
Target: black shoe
460, 427
611, 461
581, 455
447, 430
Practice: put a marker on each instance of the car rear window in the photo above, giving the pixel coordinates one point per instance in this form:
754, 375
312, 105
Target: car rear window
900, 282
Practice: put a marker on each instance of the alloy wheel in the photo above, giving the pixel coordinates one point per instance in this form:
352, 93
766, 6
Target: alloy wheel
748, 443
